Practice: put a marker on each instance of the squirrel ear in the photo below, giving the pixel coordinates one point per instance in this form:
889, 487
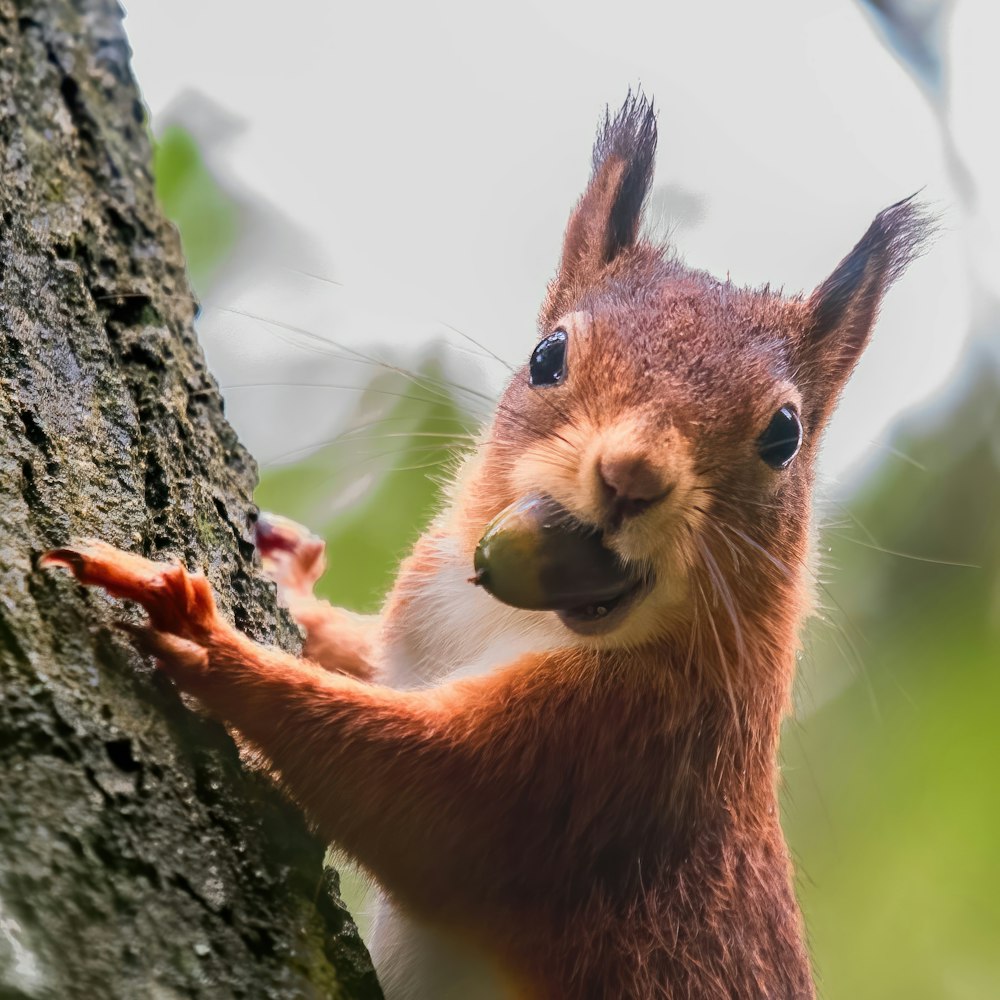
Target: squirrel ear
842, 311
606, 219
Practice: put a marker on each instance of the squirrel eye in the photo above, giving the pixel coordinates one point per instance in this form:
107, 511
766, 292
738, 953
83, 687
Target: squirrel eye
780, 443
548, 360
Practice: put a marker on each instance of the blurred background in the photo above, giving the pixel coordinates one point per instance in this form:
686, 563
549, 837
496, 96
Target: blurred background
372, 198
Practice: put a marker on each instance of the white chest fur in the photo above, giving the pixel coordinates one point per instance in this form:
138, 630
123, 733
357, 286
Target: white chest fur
448, 628
416, 962
452, 628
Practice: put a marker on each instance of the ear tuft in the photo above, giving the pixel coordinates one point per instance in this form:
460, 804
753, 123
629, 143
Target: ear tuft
843, 309
606, 219
898, 236
630, 138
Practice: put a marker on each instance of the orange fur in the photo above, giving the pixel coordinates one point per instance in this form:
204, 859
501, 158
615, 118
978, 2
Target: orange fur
597, 815
334, 638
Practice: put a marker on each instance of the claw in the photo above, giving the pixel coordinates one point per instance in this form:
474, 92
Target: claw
274, 533
176, 601
169, 651
291, 555
67, 558
95, 563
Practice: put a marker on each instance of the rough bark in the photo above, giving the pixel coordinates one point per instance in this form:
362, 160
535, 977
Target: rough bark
138, 858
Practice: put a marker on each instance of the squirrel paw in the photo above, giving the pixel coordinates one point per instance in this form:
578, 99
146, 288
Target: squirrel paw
180, 605
290, 555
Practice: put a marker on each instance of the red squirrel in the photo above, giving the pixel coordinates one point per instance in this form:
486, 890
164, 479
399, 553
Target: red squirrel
578, 801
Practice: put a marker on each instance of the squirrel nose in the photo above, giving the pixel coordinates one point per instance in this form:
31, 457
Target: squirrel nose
630, 485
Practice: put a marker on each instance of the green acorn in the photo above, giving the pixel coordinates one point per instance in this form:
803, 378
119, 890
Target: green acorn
535, 555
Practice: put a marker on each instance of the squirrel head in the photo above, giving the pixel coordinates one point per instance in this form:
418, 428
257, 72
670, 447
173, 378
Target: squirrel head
676, 413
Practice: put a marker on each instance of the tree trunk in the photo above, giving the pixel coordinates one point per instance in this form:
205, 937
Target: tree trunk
138, 858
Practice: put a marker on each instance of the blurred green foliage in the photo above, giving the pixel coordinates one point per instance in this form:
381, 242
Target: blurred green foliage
372, 491
205, 215
892, 800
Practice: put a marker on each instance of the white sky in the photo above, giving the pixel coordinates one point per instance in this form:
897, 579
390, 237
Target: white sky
430, 153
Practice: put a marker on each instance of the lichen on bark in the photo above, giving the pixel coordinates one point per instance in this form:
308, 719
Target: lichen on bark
138, 857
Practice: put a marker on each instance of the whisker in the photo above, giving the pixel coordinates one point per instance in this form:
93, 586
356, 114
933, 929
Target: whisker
723, 659
725, 595
359, 462
483, 350
901, 455
482, 347
322, 345
426, 382
905, 555
856, 520
235, 386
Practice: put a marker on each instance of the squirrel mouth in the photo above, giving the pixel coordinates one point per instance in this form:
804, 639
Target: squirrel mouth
597, 617
538, 556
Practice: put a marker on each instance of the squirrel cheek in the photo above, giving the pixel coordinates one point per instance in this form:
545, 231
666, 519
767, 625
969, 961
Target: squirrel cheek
553, 468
